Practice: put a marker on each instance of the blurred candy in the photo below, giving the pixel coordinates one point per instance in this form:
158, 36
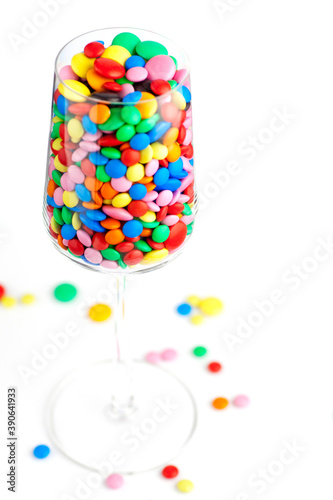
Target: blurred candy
241, 401
100, 312
41, 451
220, 403
65, 292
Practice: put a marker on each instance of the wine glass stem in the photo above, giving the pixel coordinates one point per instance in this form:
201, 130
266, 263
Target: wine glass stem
123, 393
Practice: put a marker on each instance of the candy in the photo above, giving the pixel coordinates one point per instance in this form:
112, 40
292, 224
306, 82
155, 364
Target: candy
121, 191
28, 299
99, 312
184, 309
65, 292
114, 481
197, 319
153, 357
211, 306
2, 291
241, 401
170, 472
214, 367
8, 302
168, 354
185, 486
220, 403
199, 351
41, 451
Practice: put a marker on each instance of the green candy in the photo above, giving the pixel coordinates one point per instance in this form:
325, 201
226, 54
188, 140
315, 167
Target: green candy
65, 292
143, 246
56, 176
101, 174
110, 254
57, 216
160, 234
127, 40
111, 153
55, 130
190, 228
122, 263
175, 61
67, 215
173, 83
199, 351
114, 122
125, 133
187, 209
57, 112
147, 124
121, 81
130, 115
149, 49
150, 225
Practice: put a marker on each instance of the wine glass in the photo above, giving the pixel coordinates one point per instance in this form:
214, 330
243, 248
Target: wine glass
120, 199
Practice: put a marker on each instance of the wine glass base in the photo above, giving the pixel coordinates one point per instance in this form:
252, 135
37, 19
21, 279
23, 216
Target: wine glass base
149, 433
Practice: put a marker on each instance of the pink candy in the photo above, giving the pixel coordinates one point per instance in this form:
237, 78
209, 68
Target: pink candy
93, 256
122, 184
161, 67
137, 74
76, 174
164, 198
241, 401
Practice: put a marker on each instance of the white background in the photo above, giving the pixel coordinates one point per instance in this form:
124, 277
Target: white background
259, 56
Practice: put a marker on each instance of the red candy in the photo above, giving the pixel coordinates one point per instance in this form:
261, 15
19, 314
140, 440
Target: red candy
65, 157
88, 168
162, 214
80, 108
2, 291
181, 134
98, 242
134, 257
76, 247
176, 209
214, 367
94, 49
109, 68
137, 208
130, 157
113, 86
154, 244
177, 236
108, 141
160, 87
170, 472
125, 246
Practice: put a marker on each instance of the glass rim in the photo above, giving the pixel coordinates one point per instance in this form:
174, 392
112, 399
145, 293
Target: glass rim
120, 103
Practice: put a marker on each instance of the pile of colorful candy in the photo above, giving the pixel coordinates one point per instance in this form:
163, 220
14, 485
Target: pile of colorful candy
198, 308
120, 186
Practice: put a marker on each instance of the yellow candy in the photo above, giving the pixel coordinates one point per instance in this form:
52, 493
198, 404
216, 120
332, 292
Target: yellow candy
135, 173
117, 53
81, 64
146, 154
56, 119
57, 144
197, 319
121, 200
154, 256
107, 202
55, 226
174, 152
8, 301
100, 312
211, 306
193, 300
75, 128
179, 100
159, 151
147, 105
171, 136
76, 221
59, 166
70, 199
185, 486
148, 217
75, 90
28, 299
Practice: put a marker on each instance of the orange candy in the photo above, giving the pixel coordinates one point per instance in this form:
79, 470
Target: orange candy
220, 403
110, 223
107, 191
171, 136
97, 81
147, 105
99, 113
51, 187
93, 184
60, 243
90, 205
150, 186
146, 180
97, 197
114, 236
146, 232
174, 152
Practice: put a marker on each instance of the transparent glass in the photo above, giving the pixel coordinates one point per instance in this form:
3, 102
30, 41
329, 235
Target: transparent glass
120, 198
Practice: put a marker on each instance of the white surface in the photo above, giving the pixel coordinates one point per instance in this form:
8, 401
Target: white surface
262, 55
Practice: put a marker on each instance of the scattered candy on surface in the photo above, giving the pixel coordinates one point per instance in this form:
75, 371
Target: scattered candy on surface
184, 309
199, 351
241, 401
8, 302
197, 319
193, 300
41, 451
185, 486
121, 156
100, 312
153, 357
2, 291
170, 472
65, 292
211, 306
28, 299
220, 403
169, 354
197, 308
214, 367
114, 481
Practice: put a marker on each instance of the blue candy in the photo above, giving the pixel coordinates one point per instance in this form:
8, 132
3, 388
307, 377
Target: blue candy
132, 97
132, 228
135, 62
68, 232
171, 185
158, 131
175, 167
62, 104
184, 309
161, 176
41, 451
138, 191
82, 192
186, 93
78, 209
116, 169
96, 215
180, 175
191, 161
140, 142
50, 201
88, 125
92, 224
98, 159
